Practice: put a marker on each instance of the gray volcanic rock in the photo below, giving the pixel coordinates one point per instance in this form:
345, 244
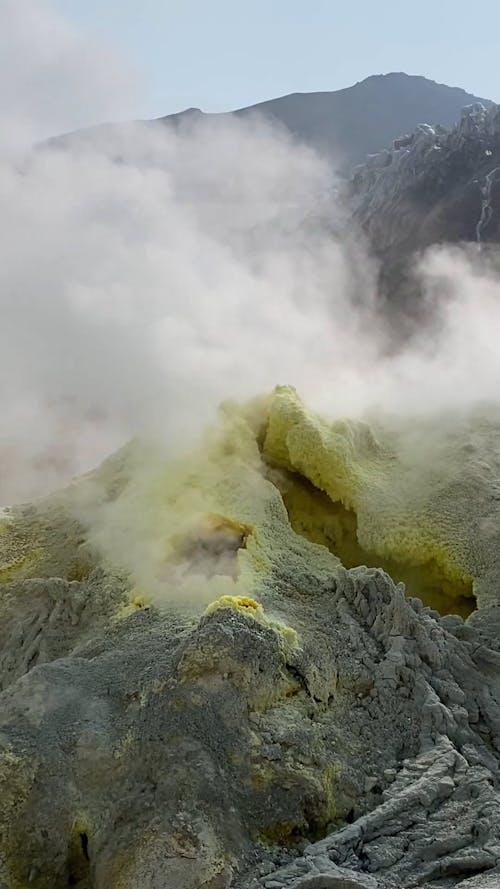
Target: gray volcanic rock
171, 750
311, 727
434, 186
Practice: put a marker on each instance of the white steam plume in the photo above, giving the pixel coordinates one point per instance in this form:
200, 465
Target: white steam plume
146, 274
52, 78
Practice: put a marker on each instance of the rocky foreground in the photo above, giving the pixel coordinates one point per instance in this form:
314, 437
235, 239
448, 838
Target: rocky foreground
205, 686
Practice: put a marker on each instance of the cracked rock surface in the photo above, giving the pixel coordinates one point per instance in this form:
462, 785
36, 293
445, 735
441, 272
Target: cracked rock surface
294, 723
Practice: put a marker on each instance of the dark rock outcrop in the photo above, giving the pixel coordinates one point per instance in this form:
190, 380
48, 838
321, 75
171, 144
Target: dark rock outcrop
432, 187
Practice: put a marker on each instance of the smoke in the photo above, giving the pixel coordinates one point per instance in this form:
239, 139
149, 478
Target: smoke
137, 294
53, 78
452, 363
148, 273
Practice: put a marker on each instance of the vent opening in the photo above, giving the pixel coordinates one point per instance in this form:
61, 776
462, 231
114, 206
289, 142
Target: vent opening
212, 548
78, 862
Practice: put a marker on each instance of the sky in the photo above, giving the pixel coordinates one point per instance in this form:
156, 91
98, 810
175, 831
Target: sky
226, 54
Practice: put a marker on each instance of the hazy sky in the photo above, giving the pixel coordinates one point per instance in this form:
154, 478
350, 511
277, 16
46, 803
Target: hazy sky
225, 54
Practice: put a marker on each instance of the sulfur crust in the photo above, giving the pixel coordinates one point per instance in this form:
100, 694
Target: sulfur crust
255, 610
353, 468
219, 489
361, 492
15, 554
366, 504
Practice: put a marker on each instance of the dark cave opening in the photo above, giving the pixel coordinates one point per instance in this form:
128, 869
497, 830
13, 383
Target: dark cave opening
212, 548
85, 845
78, 861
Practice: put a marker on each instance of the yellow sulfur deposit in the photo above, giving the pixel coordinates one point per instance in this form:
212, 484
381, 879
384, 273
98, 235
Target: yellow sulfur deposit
349, 489
208, 526
238, 602
271, 481
138, 602
255, 610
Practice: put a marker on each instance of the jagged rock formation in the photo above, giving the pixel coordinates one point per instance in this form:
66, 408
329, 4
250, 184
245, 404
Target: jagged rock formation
433, 186
348, 124
197, 693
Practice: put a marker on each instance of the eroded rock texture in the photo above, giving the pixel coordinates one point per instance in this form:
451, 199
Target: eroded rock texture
197, 695
433, 186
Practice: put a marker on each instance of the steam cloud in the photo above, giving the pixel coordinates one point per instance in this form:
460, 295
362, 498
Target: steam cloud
146, 274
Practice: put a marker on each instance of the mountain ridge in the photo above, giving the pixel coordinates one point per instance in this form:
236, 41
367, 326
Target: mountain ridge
385, 107
324, 120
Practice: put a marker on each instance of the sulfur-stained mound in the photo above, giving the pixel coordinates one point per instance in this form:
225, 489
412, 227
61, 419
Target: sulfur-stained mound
205, 686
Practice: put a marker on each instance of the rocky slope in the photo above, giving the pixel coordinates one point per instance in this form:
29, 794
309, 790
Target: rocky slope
433, 186
352, 123
205, 686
